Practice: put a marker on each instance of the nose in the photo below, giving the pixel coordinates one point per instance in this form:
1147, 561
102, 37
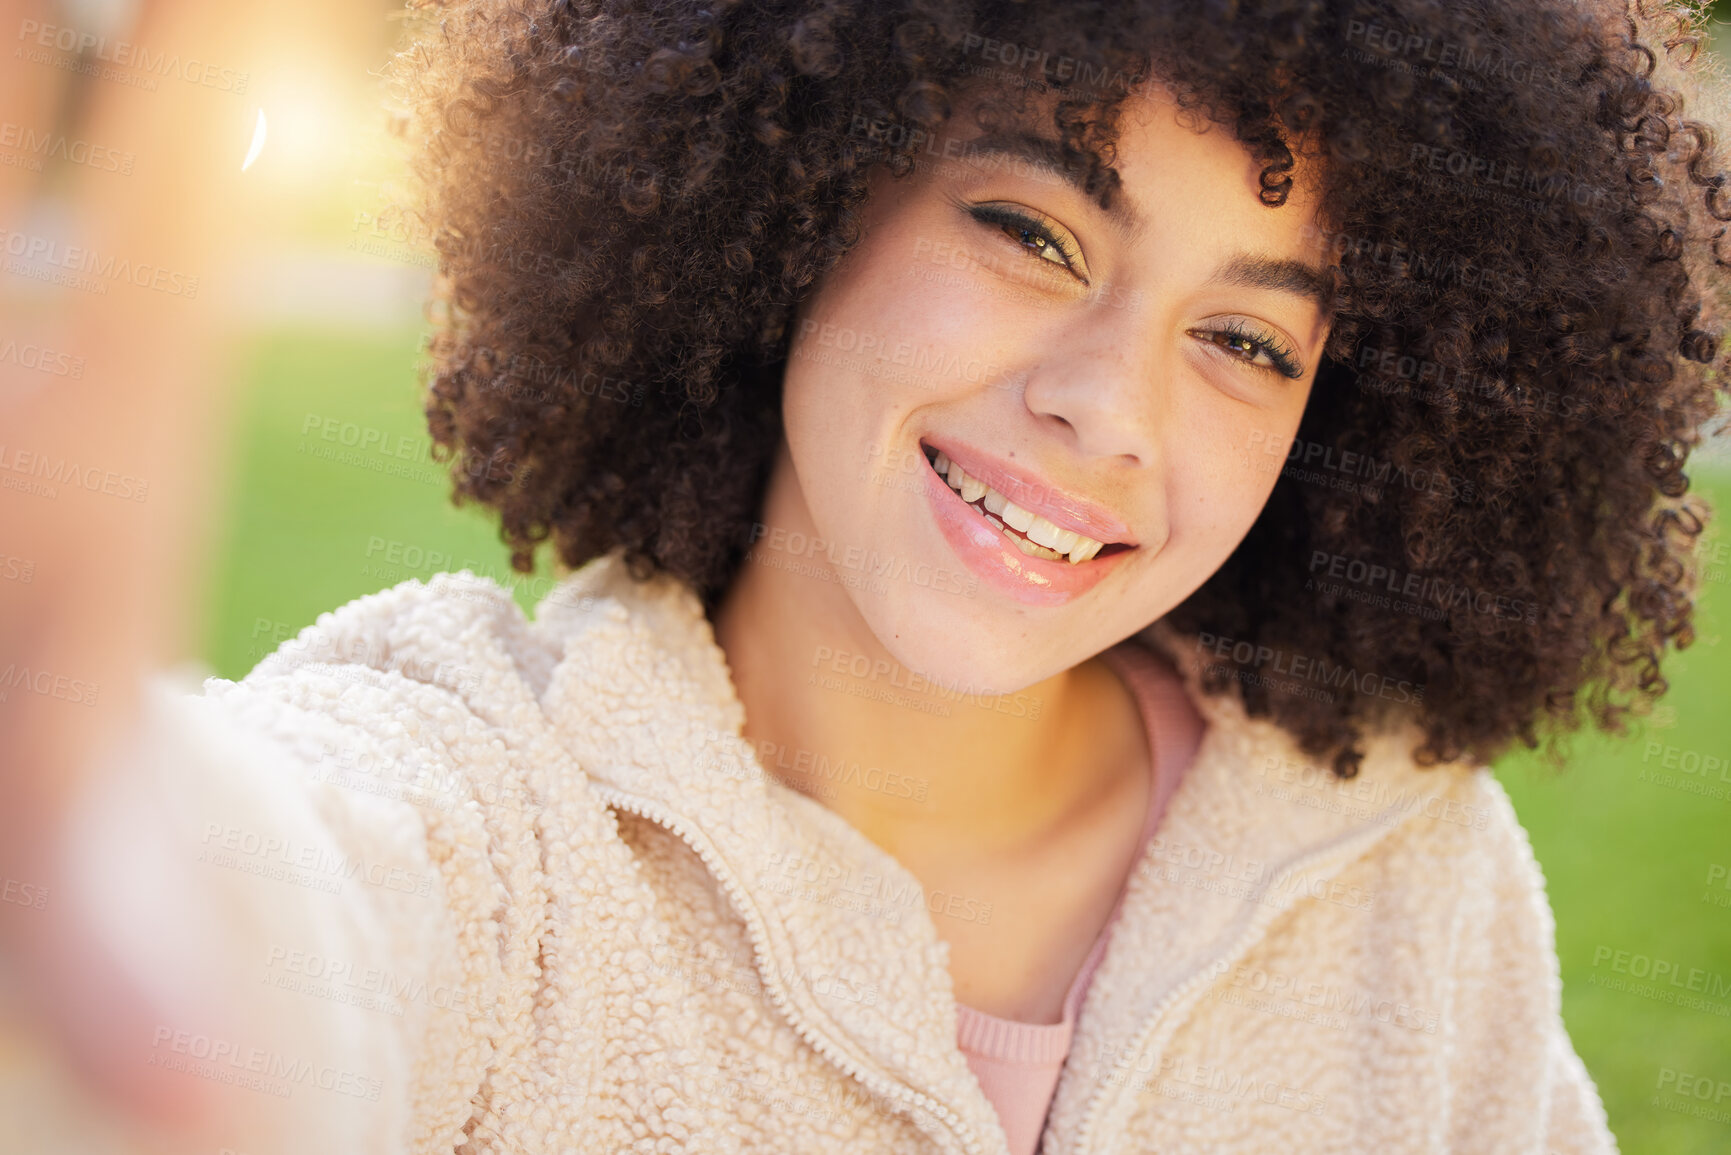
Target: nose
1099, 388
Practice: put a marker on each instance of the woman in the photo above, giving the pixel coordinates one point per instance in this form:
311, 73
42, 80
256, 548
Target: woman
1127, 469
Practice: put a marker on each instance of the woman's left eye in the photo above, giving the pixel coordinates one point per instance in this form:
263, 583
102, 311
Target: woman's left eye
1260, 350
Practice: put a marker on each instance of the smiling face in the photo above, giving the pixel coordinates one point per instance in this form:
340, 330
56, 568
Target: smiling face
1106, 381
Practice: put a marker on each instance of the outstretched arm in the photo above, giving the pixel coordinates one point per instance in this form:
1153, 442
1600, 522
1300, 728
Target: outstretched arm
104, 556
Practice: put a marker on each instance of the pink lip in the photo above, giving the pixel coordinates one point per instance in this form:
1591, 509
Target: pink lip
985, 550
1034, 494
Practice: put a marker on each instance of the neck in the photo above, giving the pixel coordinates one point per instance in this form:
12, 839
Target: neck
909, 764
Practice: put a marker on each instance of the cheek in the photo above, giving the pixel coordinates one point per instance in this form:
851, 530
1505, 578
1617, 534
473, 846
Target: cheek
808, 395
845, 399
874, 344
1222, 473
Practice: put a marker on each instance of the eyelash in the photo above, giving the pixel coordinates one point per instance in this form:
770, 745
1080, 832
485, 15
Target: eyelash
1008, 218
1284, 360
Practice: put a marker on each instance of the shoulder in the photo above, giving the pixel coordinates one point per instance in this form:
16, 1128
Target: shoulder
1460, 848
422, 709
1448, 829
444, 666
1504, 905
454, 630
1514, 1067
413, 693
1440, 845
1458, 875
1467, 839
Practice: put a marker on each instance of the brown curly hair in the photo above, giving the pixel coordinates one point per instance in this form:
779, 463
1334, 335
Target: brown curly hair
630, 199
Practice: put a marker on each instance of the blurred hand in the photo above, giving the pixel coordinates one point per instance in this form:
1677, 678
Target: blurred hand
114, 559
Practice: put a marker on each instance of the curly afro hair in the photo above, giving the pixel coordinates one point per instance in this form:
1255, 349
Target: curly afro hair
1486, 499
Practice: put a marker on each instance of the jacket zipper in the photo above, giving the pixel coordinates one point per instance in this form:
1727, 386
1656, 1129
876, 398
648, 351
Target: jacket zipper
1207, 972
771, 971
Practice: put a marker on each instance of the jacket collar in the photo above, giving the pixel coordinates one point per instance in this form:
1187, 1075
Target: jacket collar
642, 696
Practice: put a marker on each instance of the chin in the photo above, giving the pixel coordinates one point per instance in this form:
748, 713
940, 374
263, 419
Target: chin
957, 643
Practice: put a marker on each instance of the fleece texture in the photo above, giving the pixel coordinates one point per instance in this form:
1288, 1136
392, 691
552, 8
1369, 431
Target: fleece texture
522, 887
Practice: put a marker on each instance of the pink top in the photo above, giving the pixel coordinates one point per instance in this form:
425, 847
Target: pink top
1018, 1063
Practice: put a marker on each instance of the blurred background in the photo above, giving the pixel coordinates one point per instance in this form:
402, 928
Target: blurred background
331, 494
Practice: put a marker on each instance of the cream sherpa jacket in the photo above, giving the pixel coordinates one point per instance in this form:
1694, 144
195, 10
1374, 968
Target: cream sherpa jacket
529, 892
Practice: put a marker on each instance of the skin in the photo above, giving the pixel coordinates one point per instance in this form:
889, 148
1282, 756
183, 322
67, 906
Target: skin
1120, 390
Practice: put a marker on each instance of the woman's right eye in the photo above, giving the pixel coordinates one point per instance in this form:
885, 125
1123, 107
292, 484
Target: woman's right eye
1044, 242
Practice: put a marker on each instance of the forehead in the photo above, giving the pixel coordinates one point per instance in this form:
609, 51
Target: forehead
1165, 147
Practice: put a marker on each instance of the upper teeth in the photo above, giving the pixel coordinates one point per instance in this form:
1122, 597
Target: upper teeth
1059, 542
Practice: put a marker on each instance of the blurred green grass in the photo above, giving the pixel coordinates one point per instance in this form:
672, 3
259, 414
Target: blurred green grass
334, 496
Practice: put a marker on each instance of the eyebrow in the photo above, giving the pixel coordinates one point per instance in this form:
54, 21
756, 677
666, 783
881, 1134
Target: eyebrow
1310, 282
1282, 276
1048, 155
